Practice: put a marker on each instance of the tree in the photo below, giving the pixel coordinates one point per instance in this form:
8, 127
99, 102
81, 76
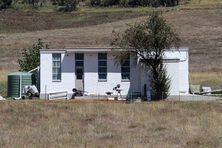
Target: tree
30, 58
4, 4
148, 40
66, 5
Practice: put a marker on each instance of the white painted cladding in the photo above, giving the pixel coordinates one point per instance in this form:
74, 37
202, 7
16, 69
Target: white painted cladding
177, 68
47, 85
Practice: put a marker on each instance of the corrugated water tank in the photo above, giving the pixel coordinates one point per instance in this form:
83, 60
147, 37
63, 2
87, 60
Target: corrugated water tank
16, 82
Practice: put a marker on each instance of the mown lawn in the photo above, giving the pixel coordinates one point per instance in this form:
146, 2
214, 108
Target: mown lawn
105, 124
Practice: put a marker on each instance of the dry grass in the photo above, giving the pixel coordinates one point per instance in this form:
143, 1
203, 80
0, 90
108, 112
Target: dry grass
199, 24
200, 29
3, 82
206, 78
3, 74
71, 124
18, 21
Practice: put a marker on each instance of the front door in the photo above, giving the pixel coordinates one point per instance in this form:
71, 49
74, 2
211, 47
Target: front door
79, 70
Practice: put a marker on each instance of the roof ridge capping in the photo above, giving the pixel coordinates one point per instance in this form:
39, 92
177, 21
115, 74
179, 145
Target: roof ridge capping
101, 48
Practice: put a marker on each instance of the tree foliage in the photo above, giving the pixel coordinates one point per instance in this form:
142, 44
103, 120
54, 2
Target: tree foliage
4, 4
66, 5
135, 3
148, 40
160, 83
30, 58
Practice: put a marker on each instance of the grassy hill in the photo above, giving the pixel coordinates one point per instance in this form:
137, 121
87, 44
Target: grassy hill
198, 22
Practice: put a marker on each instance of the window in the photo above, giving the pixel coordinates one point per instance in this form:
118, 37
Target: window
125, 69
79, 64
56, 66
102, 66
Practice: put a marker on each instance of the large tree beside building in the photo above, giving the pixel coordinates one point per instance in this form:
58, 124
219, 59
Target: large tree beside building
148, 40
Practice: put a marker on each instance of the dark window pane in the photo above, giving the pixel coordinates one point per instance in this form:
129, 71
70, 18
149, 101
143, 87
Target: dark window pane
79, 63
56, 76
102, 70
59, 76
126, 76
102, 76
126, 63
102, 66
79, 76
79, 71
56, 57
102, 63
79, 56
56, 66
125, 69
102, 56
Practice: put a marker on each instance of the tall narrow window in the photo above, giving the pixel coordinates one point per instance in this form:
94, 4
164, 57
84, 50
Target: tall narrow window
79, 62
125, 68
102, 66
56, 66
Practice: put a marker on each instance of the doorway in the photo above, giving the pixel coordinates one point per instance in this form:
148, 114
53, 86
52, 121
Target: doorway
79, 71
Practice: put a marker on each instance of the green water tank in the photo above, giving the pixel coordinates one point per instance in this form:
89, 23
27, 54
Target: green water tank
16, 82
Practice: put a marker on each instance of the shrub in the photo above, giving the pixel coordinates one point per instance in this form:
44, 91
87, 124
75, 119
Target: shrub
160, 83
4, 4
134, 3
66, 5
104, 3
31, 57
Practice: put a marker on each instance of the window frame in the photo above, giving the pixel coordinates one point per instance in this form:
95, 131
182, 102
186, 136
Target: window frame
101, 58
77, 60
56, 66
125, 64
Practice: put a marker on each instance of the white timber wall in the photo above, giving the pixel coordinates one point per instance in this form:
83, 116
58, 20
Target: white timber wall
182, 70
177, 70
96, 87
47, 85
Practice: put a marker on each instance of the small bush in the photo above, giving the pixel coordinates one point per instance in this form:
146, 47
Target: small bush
160, 84
104, 3
30, 57
134, 3
66, 5
4, 4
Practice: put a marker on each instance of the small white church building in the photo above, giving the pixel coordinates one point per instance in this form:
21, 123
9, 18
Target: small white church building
95, 71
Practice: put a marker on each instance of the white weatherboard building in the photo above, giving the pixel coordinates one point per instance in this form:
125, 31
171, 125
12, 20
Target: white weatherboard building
95, 71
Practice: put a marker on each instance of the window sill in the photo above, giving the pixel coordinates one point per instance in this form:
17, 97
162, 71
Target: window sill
125, 80
102, 80
56, 80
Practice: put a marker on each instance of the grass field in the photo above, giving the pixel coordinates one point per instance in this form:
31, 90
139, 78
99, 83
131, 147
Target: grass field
76, 124
104, 124
198, 22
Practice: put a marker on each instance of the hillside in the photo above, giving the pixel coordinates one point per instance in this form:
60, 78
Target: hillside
199, 26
